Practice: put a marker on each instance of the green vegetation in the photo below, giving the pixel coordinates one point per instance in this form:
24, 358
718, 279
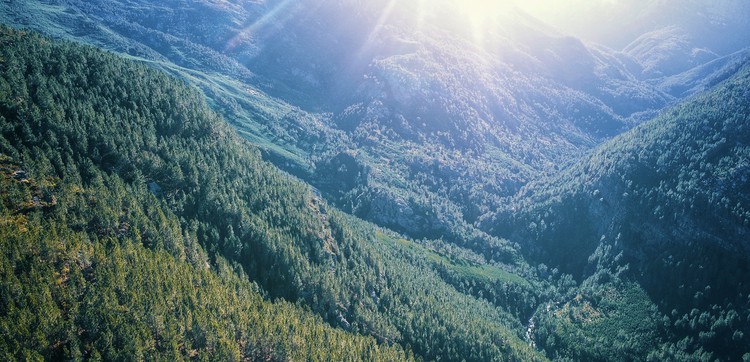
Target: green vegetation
71, 294
97, 267
134, 221
664, 208
464, 267
467, 126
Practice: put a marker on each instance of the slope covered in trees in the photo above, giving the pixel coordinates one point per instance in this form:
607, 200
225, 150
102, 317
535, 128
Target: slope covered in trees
72, 292
134, 221
637, 252
666, 208
435, 125
93, 264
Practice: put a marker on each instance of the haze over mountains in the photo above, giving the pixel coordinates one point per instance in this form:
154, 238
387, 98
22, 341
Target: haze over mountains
542, 178
707, 25
479, 109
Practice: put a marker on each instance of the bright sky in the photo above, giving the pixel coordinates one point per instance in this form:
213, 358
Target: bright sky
557, 11
604, 21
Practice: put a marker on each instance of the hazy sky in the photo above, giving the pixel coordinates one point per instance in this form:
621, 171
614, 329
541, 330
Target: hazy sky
604, 21
616, 23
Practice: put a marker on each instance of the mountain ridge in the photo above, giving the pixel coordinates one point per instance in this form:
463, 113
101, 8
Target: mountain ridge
664, 204
525, 203
135, 168
497, 122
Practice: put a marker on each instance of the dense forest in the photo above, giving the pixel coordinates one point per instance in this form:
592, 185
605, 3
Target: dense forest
135, 222
444, 128
143, 212
94, 264
664, 207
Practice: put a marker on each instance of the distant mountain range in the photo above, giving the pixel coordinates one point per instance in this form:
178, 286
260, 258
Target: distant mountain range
394, 97
597, 198
707, 25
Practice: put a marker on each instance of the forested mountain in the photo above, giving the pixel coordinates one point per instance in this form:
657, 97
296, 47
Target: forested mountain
706, 76
373, 180
664, 206
134, 221
718, 26
405, 118
670, 37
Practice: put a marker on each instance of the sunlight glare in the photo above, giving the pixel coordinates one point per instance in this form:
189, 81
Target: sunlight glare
375, 32
480, 15
479, 12
278, 14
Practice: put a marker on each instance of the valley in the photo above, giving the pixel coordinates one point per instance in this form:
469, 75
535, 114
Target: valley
385, 174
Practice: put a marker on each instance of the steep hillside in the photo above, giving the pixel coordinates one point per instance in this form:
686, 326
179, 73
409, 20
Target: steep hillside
717, 25
666, 37
400, 115
134, 221
97, 262
663, 52
705, 76
665, 206
678, 35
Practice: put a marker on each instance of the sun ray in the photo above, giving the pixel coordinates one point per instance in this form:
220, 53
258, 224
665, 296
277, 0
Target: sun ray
272, 17
480, 16
382, 20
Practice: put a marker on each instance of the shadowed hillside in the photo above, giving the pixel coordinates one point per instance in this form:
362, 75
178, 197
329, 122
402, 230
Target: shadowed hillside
666, 206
